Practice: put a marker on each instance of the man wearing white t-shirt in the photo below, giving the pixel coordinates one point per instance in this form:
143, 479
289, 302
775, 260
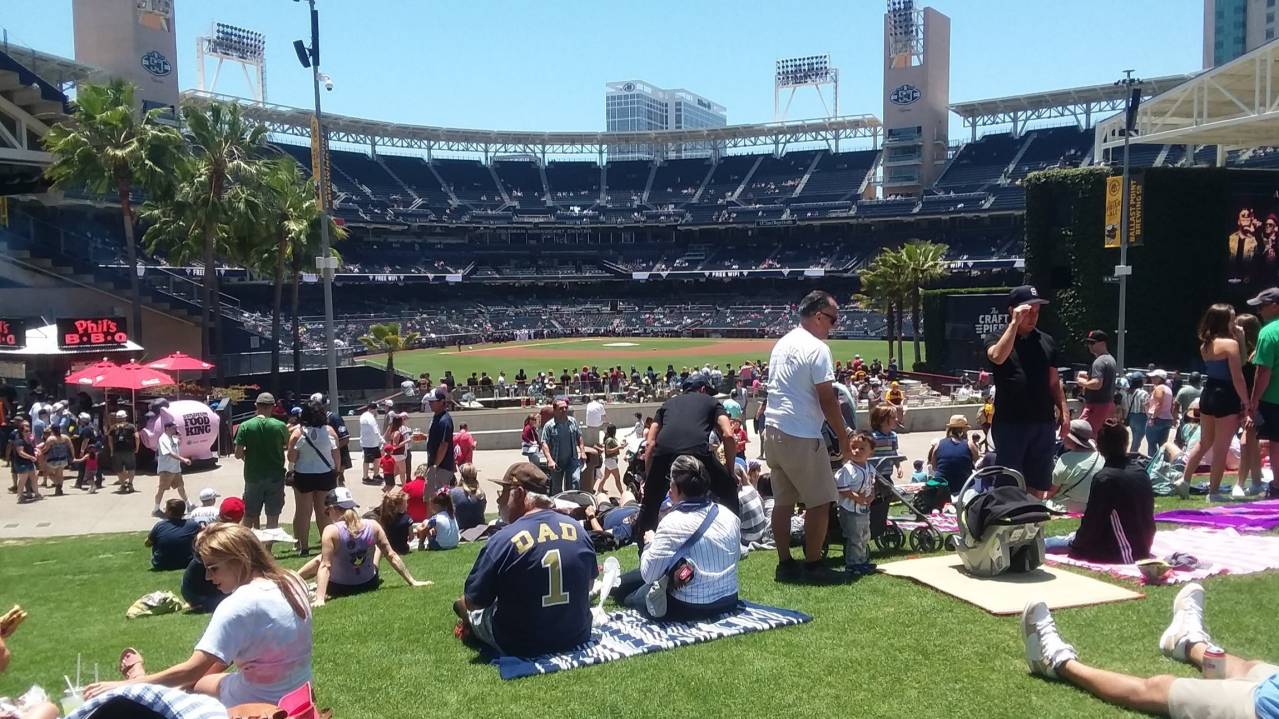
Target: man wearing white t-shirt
801, 393
370, 440
592, 436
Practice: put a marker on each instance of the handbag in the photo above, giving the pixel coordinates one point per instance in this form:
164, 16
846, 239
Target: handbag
681, 571
290, 476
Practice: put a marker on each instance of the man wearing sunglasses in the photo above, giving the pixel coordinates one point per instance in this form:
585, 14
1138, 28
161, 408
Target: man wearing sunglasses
801, 394
1099, 383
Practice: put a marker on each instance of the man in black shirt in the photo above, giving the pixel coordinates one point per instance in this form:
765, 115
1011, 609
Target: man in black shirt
1027, 391
683, 425
439, 444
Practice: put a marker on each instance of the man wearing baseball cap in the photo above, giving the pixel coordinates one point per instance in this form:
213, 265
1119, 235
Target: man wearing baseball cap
207, 511
528, 592
1027, 392
1076, 467
1265, 388
439, 443
259, 443
202, 594
125, 444
1099, 383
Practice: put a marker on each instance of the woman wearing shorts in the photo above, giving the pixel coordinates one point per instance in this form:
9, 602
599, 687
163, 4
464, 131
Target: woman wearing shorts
313, 452
23, 462
1224, 402
56, 453
398, 438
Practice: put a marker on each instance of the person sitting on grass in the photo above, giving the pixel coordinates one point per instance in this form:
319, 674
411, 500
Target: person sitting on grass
440, 531
393, 515
1118, 525
416, 490
1244, 689
197, 589
8, 625
688, 570
348, 562
263, 628
469, 501
171, 538
754, 515
1075, 468
528, 591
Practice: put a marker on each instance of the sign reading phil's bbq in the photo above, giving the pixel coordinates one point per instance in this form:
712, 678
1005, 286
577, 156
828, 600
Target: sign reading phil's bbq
89, 333
13, 334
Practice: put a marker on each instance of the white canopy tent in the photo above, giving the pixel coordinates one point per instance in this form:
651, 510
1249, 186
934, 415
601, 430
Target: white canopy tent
44, 341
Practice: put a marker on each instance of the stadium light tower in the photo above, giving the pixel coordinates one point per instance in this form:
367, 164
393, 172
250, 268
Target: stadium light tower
246, 48
310, 57
813, 71
1122, 270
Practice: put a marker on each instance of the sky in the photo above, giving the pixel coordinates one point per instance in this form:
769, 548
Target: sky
523, 65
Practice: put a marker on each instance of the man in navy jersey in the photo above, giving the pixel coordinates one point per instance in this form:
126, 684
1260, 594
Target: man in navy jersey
528, 593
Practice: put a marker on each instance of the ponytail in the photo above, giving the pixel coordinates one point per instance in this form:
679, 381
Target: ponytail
354, 523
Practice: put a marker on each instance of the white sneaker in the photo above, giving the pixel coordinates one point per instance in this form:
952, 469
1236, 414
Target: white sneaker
1045, 649
1237, 492
1181, 488
1187, 626
655, 599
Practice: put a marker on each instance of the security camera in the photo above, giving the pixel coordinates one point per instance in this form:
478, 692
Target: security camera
328, 82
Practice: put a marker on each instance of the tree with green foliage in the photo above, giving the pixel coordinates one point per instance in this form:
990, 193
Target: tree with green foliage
108, 146
919, 263
387, 338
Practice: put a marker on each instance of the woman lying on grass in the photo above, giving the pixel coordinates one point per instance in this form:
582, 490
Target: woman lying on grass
263, 628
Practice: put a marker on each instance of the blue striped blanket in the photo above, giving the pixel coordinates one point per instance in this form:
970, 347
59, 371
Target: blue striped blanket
628, 633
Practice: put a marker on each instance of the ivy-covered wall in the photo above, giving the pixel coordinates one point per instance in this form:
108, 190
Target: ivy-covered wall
1178, 270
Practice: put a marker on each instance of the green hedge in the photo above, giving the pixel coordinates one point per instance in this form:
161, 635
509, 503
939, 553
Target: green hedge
934, 309
1178, 270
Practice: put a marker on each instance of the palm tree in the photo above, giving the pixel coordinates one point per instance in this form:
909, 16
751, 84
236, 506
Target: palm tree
877, 294
920, 263
107, 146
288, 208
223, 147
387, 338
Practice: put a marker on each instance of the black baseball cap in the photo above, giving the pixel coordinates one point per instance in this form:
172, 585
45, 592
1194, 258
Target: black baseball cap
1025, 295
1268, 296
1096, 336
439, 395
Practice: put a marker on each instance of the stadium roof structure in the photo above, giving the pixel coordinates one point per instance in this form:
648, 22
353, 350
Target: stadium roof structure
62, 72
342, 128
1232, 105
28, 105
1080, 103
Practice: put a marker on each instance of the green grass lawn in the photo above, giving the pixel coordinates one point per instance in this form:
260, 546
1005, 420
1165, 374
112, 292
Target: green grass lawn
657, 352
883, 647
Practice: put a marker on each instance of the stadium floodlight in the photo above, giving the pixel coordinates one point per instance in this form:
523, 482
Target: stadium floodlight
231, 43
814, 71
905, 33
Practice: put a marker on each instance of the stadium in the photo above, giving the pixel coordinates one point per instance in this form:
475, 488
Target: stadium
372, 261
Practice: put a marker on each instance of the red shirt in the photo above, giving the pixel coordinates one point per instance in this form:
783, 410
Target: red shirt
416, 489
742, 441
463, 446
387, 463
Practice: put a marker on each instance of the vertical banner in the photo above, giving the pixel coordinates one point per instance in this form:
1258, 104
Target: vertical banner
1114, 208
320, 165
4, 212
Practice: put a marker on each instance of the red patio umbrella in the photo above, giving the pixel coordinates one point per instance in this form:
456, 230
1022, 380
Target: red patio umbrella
133, 377
89, 375
180, 362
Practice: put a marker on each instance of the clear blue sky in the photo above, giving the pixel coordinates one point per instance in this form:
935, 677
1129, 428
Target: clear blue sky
518, 64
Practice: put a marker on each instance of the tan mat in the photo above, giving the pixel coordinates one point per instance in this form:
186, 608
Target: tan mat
1008, 593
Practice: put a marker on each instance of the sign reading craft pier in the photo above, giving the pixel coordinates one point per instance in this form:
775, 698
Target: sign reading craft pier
90, 333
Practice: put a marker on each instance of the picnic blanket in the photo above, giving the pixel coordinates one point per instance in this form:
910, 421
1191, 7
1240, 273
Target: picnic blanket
1217, 552
629, 633
1244, 517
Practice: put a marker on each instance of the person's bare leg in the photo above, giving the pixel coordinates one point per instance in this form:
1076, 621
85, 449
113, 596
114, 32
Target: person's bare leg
781, 530
182, 489
1148, 695
47, 710
816, 520
209, 684
309, 569
317, 506
272, 521
161, 484
1221, 450
1235, 667
1207, 435
302, 507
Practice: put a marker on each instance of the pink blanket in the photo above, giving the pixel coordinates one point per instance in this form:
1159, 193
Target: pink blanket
1218, 552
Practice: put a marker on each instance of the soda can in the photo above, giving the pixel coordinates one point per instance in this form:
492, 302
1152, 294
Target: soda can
1214, 663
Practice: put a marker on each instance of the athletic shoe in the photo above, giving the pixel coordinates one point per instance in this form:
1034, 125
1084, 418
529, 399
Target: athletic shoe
1045, 649
1237, 492
1181, 488
1187, 626
1256, 488
655, 599
788, 570
820, 574
1219, 498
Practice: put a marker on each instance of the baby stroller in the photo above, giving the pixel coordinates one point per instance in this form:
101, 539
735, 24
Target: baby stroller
1001, 526
886, 533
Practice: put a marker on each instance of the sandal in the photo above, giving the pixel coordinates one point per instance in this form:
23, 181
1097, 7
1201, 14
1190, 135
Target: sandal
130, 660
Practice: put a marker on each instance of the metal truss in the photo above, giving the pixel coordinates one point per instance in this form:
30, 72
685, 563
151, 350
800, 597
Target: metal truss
1082, 104
359, 131
1232, 105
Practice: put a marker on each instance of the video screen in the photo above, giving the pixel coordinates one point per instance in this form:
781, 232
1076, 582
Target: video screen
1253, 235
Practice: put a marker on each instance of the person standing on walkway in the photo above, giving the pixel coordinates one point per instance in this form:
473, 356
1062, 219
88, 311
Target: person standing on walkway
439, 444
563, 449
1159, 411
371, 442
1225, 400
259, 443
1098, 384
1027, 392
801, 392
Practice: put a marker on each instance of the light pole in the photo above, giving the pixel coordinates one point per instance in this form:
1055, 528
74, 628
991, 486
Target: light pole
311, 58
1122, 271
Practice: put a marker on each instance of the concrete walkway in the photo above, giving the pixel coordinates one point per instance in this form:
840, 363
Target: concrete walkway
80, 513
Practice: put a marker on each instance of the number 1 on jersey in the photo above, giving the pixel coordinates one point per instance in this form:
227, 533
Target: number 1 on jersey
555, 594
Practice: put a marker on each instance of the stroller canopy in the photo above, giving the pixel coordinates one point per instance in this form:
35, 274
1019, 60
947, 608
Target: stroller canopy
1002, 506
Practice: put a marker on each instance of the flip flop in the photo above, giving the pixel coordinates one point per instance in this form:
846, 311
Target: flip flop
129, 658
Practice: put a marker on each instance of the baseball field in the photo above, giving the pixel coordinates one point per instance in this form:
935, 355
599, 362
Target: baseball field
567, 353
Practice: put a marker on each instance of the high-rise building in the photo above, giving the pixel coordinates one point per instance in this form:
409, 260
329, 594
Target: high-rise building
1234, 27
638, 106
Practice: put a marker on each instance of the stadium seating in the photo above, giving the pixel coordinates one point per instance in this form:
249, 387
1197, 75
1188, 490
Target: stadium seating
838, 175
728, 176
573, 183
979, 164
626, 180
523, 182
471, 182
1053, 147
418, 177
778, 177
